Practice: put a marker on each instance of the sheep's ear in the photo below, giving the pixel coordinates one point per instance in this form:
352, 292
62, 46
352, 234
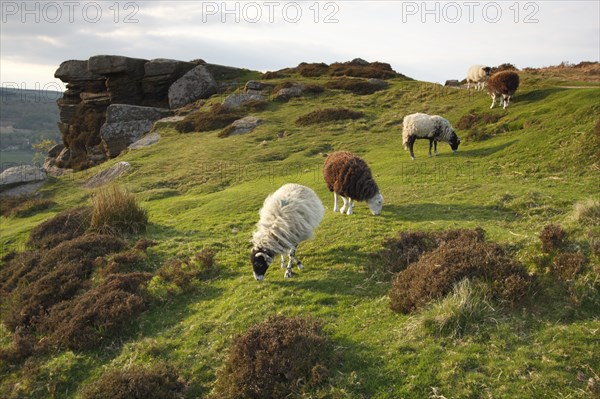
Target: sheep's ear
263, 255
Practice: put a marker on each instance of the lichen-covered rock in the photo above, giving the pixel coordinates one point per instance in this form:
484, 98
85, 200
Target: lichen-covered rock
238, 100
20, 175
196, 84
108, 175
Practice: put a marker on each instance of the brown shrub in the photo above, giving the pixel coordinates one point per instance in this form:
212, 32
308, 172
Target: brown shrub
594, 240
143, 244
38, 280
274, 75
328, 115
553, 238
137, 382
90, 319
115, 211
275, 358
377, 70
23, 206
313, 69
436, 272
408, 247
567, 266
356, 86
65, 226
216, 117
182, 272
123, 262
314, 88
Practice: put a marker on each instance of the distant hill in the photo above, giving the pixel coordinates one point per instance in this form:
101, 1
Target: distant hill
26, 118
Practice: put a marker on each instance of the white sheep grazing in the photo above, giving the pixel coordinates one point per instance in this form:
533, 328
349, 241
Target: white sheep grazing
478, 74
288, 217
432, 127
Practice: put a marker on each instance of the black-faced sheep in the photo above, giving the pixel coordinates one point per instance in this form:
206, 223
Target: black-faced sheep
288, 217
504, 85
350, 177
478, 74
432, 127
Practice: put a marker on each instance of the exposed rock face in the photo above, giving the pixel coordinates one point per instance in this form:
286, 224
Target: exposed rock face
126, 124
103, 80
289, 92
244, 125
240, 99
159, 75
196, 84
146, 141
20, 180
108, 175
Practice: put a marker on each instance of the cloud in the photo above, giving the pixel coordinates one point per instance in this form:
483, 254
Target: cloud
426, 40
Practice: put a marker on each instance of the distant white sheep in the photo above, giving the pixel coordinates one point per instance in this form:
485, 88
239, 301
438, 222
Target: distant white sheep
350, 177
288, 217
478, 74
432, 127
504, 85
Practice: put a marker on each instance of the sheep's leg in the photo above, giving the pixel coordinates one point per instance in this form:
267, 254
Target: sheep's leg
288, 269
335, 203
411, 143
350, 206
345, 206
435, 148
295, 259
493, 100
430, 145
282, 261
506, 100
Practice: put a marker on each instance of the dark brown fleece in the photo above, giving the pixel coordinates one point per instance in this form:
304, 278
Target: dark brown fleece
348, 175
505, 82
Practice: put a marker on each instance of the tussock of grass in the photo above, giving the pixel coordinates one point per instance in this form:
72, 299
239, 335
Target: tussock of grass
138, 382
436, 272
463, 311
588, 212
274, 359
328, 115
115, 211
568, 265
553, 238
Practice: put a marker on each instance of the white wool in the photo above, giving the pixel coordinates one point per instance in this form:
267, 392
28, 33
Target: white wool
478, 75
423, 126
288, 217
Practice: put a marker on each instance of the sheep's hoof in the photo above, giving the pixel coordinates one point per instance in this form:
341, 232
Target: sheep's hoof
300, 266
288, 274
343, 210
336, 209
413, 158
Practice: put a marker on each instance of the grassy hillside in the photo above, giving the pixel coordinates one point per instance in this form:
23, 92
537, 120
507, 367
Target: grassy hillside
538, 159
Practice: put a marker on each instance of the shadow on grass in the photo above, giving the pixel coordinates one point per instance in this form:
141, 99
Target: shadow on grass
481, 152
537, 95
449, 212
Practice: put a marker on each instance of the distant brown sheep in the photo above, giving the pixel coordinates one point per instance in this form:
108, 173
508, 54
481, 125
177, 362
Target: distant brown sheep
504, 85
349, 176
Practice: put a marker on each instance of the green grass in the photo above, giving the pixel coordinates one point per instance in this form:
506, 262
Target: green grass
202, 191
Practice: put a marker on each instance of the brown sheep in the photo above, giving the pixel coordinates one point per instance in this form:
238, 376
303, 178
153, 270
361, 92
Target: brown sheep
504, 85
350, 177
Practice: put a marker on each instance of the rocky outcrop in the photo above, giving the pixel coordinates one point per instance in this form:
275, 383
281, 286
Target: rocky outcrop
126, 124
243, 126
196, 84
21, 180
105, 80
108, 175
146, 141
238, 100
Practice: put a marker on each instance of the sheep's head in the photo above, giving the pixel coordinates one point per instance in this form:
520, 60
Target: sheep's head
486, 70
454, 142
261, 259
375, 203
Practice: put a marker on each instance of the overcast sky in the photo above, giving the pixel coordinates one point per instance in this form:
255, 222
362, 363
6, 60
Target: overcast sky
431, 41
